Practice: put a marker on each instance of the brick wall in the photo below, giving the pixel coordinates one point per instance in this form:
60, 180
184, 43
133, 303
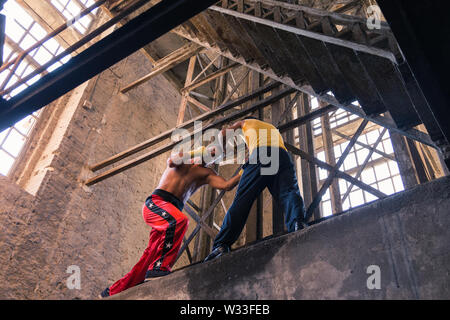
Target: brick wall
100, 229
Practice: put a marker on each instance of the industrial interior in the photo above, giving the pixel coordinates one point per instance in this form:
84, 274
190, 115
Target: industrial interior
93, 91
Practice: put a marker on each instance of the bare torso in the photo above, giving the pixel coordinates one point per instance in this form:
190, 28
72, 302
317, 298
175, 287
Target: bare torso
184, 180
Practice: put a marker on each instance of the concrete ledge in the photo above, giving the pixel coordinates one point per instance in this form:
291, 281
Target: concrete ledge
407, 235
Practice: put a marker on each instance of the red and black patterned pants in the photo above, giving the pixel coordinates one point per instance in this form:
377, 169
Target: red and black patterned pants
162, 211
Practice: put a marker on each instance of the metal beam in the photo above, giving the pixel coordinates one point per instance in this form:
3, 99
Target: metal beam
339, 174
121, 43
333, 172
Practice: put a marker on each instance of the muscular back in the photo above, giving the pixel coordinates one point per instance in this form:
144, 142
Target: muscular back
182, 181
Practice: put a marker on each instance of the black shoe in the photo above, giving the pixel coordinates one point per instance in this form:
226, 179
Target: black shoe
151, 274
104, 294
217, 252
300, 225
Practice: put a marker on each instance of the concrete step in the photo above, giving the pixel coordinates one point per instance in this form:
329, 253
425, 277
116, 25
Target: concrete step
406, 236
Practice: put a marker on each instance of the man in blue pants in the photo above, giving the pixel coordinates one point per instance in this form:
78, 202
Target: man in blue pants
269, 165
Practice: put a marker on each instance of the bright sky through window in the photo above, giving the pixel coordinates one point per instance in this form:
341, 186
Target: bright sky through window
382, 174
71, 8
22, 31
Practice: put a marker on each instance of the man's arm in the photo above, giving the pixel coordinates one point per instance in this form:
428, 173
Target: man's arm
218, 182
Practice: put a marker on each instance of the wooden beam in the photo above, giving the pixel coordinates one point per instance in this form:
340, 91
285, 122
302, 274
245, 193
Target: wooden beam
336, 17
210, 231
149, 52
209, 78
413, 134
335, 194
188, 124
204, 218
168, 62
306, 142
185, 96
198, 104
236, 86
206, 68
310, 34
278, 226
145, 157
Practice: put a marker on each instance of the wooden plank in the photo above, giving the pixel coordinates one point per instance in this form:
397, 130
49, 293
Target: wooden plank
348, 7
306, 142
212, 76
198, 104
168, 62
188, 124
282, 55
185, 95
191, 29
150, 155
204, 218
335, 17
277, 213
335, 194
287, 58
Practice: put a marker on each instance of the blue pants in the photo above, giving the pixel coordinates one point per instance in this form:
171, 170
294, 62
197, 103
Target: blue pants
284, 189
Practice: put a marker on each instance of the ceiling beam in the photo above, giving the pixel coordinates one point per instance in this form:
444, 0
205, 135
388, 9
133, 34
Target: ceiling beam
168, 62
413, 134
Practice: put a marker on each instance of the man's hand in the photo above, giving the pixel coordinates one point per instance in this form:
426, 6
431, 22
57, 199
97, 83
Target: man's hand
175, 160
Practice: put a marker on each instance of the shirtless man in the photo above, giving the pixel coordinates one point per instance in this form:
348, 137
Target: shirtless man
163, 212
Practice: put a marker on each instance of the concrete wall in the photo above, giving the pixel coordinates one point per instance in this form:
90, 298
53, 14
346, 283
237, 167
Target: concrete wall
59, 222
407, 235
